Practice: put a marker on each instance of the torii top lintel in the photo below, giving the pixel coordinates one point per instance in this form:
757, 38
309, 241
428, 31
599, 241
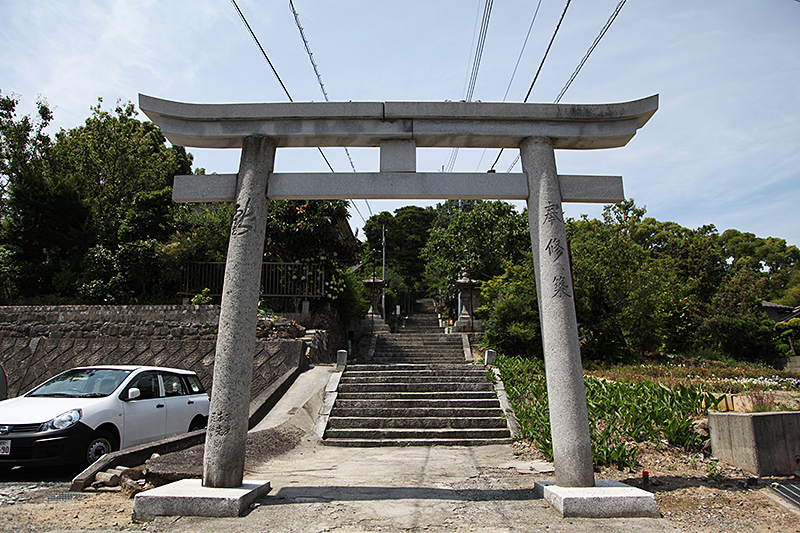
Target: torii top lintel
428, 124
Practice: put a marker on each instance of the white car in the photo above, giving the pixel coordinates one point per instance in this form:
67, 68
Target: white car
84, 413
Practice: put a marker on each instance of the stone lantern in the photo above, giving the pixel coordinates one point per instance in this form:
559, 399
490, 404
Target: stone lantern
466, 304
373, 322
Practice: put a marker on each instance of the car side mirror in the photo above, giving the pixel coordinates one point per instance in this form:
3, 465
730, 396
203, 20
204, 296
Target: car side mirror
133, 393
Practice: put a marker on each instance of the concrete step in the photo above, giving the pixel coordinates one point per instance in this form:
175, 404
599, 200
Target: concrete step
432, 395
413, 387
414, 433
417, 412
410, 423
372, 443
420, 359
402, 375
413, 366
417, 370
415, 403
432, 378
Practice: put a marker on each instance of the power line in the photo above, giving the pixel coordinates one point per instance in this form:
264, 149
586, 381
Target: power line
594, 44
514, 73
322, 88
252, 33
315, 67
546, 52
274, 71
536, 77
597, 39
476, 64
524, 44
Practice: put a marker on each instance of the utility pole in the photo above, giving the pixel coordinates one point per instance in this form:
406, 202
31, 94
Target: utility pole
383, 262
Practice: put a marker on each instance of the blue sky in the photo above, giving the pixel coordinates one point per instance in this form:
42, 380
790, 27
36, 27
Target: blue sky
723, 149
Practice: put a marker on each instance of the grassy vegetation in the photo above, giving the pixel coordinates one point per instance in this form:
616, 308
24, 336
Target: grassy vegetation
621, 414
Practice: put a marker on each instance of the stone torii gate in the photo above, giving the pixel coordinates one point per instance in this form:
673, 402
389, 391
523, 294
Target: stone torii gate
398, 128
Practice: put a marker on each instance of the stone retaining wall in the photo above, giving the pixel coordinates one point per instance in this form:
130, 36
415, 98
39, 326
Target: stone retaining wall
196, 322
28, 362
38, 342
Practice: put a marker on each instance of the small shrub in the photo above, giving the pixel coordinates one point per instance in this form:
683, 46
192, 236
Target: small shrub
203, 298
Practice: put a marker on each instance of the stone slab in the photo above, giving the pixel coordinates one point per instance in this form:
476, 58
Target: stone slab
188, 497
607, 499
399, 155
447, 124
397, 185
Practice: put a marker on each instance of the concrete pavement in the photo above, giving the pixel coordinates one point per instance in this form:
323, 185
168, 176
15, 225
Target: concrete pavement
319, 488
482, 489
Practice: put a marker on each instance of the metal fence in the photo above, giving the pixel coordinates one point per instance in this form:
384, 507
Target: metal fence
277, 279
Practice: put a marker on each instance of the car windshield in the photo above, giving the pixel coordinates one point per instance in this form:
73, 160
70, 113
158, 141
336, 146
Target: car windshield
82, 383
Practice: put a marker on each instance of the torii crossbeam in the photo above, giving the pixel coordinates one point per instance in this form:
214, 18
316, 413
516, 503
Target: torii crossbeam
398, 128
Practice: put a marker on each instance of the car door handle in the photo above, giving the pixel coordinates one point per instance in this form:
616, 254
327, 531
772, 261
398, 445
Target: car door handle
159, 405
191, 402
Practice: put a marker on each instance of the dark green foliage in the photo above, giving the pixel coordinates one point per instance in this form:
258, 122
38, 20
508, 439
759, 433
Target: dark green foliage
406, 235
483, 238
643, 286
510, 312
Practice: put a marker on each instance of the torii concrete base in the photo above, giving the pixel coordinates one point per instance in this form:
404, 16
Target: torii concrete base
188, 497
607, 499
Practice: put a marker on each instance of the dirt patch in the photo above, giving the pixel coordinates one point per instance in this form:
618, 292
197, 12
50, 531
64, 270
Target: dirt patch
261, 446
701, 494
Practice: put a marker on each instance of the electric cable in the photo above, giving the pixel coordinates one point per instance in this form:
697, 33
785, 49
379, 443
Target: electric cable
253, 35
476, 63
513, 74
285, 90
322, 88
547, 52
594, 44
597, 39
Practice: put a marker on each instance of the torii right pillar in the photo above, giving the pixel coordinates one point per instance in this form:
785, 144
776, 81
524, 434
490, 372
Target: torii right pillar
569, 421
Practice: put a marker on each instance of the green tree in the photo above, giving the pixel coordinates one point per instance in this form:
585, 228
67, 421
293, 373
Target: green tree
789, 332
770, 258
510, 311
407, 233
733, 324
622, 292
43, 219
483, 239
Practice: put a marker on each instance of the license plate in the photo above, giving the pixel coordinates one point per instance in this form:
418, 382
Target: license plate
5, 447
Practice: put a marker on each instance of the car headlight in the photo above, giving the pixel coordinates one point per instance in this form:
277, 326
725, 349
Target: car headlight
62, 421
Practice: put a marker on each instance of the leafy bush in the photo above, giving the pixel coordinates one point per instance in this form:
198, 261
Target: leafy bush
510, 312
620, 414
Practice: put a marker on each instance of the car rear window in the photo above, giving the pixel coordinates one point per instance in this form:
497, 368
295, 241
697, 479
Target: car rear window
195, 386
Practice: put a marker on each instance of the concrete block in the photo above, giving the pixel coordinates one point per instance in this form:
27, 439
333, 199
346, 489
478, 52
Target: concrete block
607, 499
341, 359
398, 155
764, 444
188, 497
491, 355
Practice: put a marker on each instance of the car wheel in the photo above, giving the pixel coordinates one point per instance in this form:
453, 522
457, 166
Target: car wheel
197, 423
102, 442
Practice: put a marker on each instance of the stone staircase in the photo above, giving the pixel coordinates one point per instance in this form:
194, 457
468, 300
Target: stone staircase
416, 390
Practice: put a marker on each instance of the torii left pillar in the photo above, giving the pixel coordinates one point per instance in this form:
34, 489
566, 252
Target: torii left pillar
223, 463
